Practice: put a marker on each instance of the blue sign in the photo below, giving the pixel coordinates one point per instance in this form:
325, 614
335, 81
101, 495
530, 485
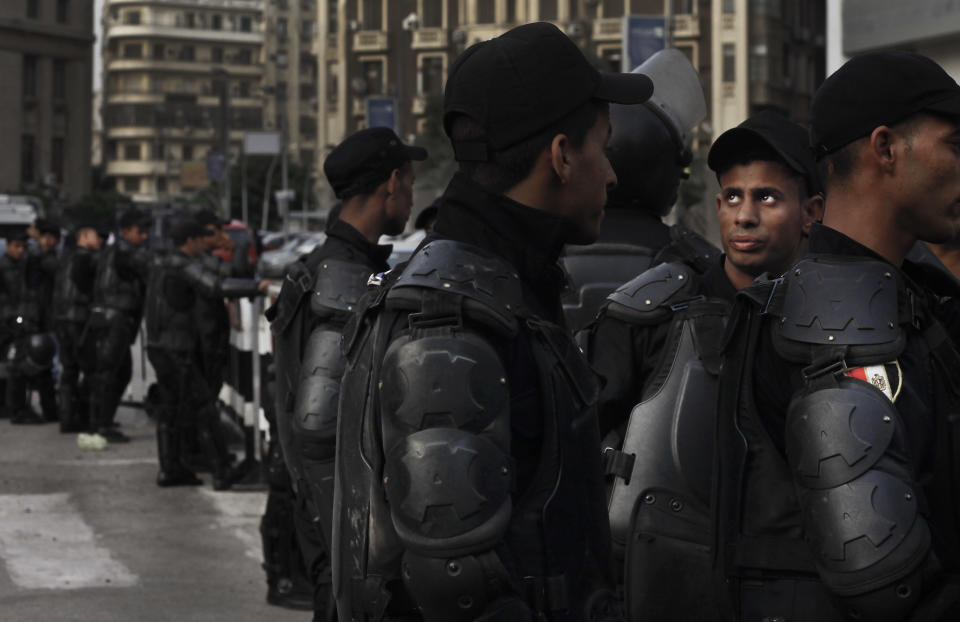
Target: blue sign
216, 165
642, 38
382, 112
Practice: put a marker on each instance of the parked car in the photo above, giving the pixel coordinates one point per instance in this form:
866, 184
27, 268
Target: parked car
403, 245
274, 263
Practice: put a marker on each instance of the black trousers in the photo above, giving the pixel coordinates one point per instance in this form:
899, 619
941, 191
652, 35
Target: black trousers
108, 347
74, 388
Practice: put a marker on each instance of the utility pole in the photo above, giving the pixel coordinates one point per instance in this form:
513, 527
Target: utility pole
220, 76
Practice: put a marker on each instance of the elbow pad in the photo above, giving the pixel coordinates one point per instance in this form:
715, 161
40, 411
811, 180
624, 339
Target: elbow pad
860, 512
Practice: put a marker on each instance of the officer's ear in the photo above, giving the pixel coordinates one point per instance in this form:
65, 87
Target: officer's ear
882, 140
393, 181
812, 210
560, 157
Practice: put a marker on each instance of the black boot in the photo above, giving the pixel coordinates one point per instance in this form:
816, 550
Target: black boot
215, 446
172, 472
67, 410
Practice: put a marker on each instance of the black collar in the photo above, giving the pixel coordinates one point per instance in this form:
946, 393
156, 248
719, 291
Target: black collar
827, 241
716, 283
531, 240
376, 253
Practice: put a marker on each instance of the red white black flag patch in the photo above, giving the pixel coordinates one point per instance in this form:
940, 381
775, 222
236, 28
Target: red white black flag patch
878, 376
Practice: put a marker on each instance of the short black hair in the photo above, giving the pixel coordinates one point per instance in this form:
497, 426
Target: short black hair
512, 165
759, 151
368, 188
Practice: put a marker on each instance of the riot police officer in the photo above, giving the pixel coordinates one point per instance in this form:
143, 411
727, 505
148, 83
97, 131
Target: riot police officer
838, 461
115, 316
11, 282
468, 459
177, 281
657, 343
650, 150
372, 175
72, 297
31, 357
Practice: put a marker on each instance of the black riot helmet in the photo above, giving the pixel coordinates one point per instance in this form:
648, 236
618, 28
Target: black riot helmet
650, 144
39, 351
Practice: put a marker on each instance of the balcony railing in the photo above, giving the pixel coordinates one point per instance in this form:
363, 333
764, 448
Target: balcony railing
370, 41
429, 38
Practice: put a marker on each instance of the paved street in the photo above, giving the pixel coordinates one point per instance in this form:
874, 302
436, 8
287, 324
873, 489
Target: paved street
87, 536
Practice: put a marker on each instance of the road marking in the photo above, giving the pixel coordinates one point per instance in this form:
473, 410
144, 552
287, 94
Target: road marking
239, 513
107, 462
46, 544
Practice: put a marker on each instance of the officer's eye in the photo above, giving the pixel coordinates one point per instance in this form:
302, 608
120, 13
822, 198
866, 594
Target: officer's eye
732, 197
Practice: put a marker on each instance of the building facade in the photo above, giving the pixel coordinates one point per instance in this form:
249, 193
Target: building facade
371, 53
177, 73
290, 76
46, 59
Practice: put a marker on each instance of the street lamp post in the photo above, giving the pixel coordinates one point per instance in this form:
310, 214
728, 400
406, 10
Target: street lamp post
410, 23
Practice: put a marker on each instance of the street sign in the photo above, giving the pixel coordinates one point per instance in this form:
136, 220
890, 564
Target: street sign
216, 165
643, 36
382, 112
261, 143
284, 195
194, 175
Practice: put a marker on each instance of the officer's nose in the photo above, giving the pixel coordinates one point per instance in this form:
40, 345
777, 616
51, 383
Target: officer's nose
747, 214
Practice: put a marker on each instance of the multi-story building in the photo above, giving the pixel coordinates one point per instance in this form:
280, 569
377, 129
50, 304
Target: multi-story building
164, 65
290, 75
46, 60
770, 53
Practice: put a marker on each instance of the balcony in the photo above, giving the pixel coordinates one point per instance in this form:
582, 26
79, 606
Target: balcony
359, 107
419, 105
370, 41
608, 29
204, 67
476, 34
168, 29
136, 167
686, 26
428, 38
728, 22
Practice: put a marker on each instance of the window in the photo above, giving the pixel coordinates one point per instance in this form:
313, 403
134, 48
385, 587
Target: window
308, 92
283, 5
131, 184
56, 158
372, 72
159, 50
332, 83
486, 11
432, 13
190, 20
131, 18
131, 151
372, 15
161, 185
281, 29
29, 75
216, 55
28, 172
511, 16
243, 57
186, 153
431, 75
306, 29
217, 22
281, 91
33, 12
59, 83
246, 24
306, 156
332, 14
308, 125
158, 151
63, 11
612, 8
682, 7
187, 53
646, 7
728, 6
729, 63
548, 10
243, 89
133, 50
111, 150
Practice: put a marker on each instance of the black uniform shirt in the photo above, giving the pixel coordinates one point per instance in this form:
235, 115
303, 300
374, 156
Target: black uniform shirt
626, 355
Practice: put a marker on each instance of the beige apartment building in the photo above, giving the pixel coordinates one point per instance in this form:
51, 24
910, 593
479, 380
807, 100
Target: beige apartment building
769, 53
46, 60
290, 76
164, 62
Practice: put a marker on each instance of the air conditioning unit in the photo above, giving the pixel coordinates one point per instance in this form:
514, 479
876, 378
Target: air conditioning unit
576, 29
459, 36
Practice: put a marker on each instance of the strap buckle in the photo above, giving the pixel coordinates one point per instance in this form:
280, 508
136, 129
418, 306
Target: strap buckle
775, 283
683, 304
817, 370
618, 463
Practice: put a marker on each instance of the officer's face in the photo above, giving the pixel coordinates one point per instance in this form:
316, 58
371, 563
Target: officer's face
928, 182
47, 242
136, 235
762, 218
15, 249
588, 176
399, 202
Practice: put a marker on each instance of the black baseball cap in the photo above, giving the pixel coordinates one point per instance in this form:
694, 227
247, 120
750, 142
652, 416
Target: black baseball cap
133, 217
366, 157
523, 81
187, 229
208, 217
787, 139
47, 226
874, 89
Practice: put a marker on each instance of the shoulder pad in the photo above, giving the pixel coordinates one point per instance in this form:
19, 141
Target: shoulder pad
649, 296
296, 285
490, 287
338, 286
831, 303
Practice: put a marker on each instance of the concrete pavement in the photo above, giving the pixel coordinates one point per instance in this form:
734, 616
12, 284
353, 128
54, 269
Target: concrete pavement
88, 536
